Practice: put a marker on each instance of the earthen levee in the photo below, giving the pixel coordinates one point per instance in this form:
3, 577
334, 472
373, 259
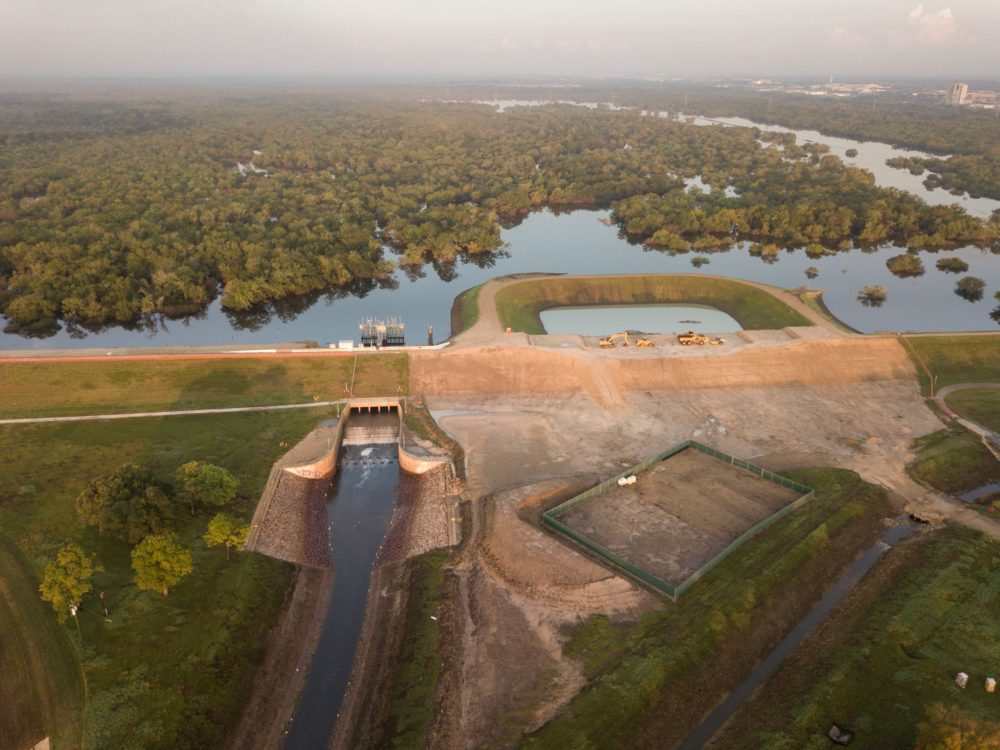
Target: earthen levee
532, 371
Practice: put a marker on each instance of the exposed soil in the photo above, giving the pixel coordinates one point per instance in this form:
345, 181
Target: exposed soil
679, 514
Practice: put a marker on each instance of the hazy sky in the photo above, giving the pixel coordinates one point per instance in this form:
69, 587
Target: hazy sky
955, 38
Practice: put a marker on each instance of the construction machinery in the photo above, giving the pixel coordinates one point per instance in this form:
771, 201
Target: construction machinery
643, 342
690, 337
609, 342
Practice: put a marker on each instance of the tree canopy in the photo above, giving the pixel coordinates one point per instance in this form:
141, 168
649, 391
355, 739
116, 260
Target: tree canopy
128, 503
67, 579
226, 530
121, 212
160, 561
205, 485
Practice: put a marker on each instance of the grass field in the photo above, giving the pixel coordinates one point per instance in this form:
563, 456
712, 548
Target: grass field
41, 686
465, 310
411, 706
896, 653
650, 682
518, 305
953, 460
957, 359
39, 388
162, 673
981, 405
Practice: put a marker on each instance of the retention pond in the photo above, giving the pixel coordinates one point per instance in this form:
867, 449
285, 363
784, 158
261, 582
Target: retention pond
604, 320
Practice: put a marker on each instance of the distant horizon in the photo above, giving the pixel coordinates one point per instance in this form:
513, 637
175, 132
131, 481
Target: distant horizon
920, 39
540, 80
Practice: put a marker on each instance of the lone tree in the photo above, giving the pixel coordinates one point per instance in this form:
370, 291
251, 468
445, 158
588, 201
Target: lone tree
128, 503
970, 288
227, 530
872, 296
952, 265
905, 265
159, 562
67, 579
206, 485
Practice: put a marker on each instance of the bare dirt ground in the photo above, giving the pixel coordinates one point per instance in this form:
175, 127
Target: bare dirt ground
679, 514
522, 586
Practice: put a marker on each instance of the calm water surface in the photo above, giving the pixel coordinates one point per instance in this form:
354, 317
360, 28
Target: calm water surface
607, 319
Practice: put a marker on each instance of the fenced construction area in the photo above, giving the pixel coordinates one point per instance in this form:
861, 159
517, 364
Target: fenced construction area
689, 507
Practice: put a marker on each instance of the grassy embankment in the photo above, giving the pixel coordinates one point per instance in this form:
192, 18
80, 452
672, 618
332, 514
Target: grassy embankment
650, 682
41, 685
814, 301
411, 704
35, 389
892, 651
956, 359
465, 310
954, 460
981, 405
519, 305
162, 673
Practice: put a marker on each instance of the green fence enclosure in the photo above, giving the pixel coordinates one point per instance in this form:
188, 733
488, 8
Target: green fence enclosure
551, 517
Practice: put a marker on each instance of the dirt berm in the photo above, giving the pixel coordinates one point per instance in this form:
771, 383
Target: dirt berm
604, 376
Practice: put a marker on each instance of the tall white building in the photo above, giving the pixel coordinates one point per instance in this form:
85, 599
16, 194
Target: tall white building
959, 93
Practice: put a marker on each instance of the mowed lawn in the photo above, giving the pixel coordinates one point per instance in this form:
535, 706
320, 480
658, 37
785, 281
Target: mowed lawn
161, 673
958, 359
981, 405
40, 388
940, 615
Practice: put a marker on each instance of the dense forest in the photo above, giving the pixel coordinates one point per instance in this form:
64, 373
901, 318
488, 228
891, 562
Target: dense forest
113, 210
966, 141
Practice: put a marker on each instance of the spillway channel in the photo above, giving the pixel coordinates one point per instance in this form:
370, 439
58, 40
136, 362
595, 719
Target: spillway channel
359, 509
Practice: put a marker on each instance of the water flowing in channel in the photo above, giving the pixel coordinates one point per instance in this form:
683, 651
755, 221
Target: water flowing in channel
359, 510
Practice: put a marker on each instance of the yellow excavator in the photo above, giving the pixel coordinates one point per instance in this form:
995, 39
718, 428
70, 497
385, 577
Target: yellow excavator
609, 342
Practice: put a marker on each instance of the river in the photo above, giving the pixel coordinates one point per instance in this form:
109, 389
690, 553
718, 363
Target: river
578, 243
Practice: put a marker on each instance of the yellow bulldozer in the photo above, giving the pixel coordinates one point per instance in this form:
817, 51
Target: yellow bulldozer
609, 341
690, 337
643, 342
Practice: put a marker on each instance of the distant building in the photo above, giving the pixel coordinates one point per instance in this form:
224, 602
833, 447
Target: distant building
958, 94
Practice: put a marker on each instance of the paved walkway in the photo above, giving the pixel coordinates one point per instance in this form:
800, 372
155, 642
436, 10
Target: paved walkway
988, 435
178, 413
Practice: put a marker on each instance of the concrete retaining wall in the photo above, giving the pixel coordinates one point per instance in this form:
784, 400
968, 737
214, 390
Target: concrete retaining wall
325, 466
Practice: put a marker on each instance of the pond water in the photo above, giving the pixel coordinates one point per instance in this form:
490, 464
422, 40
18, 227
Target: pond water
603, 320
577, 243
